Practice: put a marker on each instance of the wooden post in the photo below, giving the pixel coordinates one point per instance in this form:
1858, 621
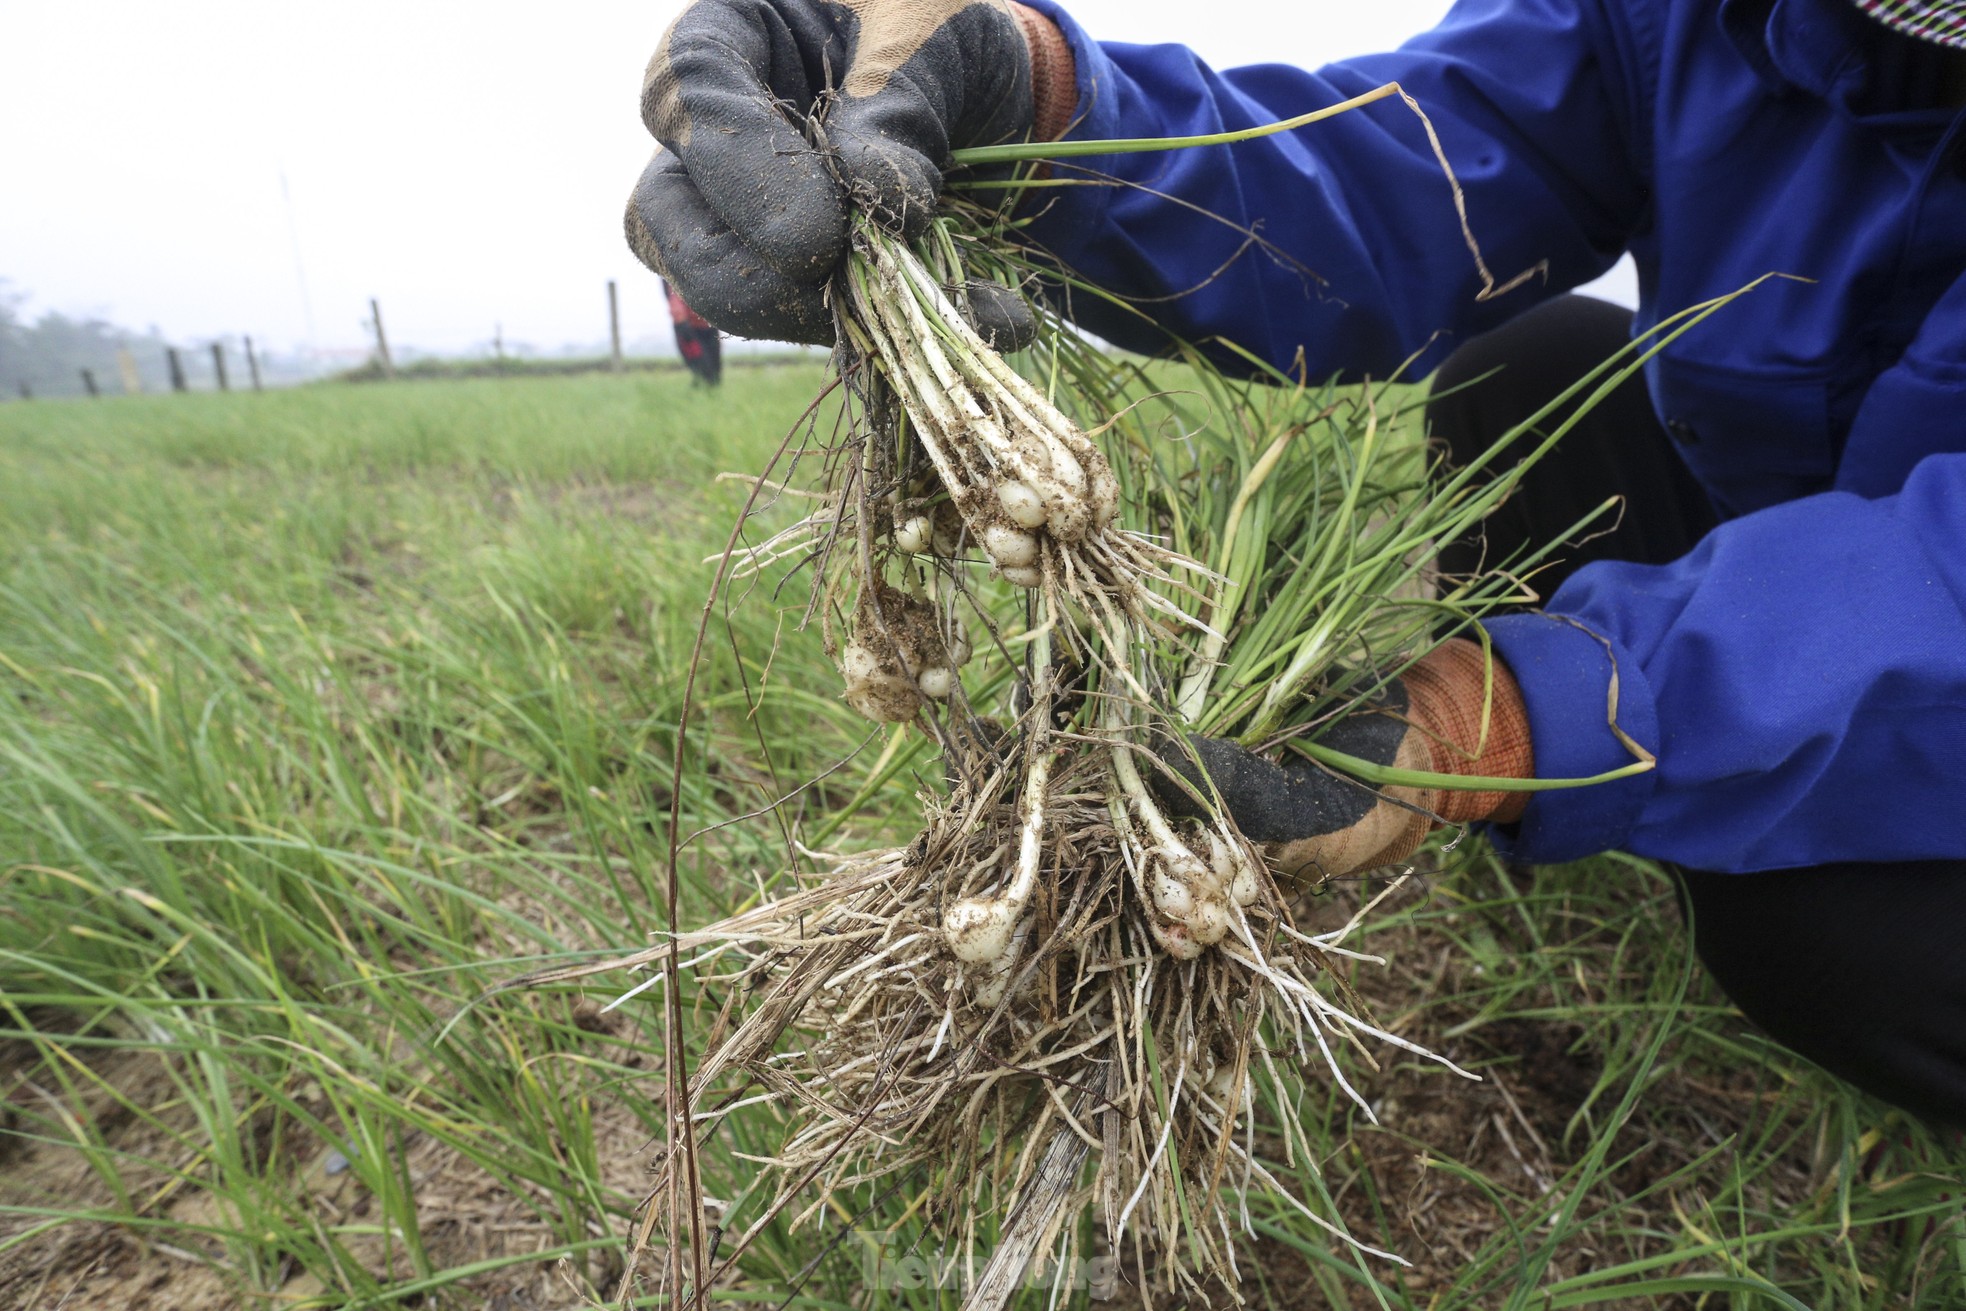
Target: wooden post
126, 364
177, 369
218, 365
381, 340
26, 392
89, 382
614, 328
252, 364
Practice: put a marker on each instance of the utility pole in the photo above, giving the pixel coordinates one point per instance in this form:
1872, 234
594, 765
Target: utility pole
89, 382
177, 369
252, 364
218, 365
381, 340
614, 328
300, 265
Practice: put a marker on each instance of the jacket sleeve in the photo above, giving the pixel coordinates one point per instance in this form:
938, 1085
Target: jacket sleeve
1801, 676
1359, 257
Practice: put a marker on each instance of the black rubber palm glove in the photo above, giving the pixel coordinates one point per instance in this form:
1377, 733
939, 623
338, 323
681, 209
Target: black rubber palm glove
740, 211
1313, 823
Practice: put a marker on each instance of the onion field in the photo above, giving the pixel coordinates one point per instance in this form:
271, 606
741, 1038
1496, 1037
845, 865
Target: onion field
323, 712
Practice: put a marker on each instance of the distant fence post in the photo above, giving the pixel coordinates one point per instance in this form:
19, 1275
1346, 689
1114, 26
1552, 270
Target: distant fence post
176, 366
89, 382
252, 364
26, 392
381, 340
218, 365
126, 364
614, 328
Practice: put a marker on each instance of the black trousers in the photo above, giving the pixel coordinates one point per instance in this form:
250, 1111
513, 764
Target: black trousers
1859, 967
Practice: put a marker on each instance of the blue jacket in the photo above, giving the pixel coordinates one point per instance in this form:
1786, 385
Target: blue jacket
1802, 674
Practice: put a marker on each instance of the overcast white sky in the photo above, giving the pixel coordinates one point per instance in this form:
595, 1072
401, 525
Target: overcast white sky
465, 163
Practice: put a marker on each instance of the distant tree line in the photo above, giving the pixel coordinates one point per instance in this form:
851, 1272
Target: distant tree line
49, 354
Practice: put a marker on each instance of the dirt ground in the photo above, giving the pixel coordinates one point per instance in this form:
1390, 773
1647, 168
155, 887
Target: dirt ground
1509, 1128
467, 1215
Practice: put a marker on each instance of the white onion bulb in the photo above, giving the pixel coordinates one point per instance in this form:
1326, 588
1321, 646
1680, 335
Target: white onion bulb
1011, 548
1172, 897
1243, 888
978, 928
859, 663
914, 535
1021, 505
1210, 921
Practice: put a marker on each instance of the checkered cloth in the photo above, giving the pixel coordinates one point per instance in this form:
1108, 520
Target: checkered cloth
1942, 21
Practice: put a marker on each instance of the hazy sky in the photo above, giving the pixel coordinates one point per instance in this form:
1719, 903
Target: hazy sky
465, 163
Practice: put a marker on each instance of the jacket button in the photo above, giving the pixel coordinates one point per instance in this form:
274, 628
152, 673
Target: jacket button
1682, 432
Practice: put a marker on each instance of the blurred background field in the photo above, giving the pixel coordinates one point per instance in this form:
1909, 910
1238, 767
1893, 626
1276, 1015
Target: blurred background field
323, 710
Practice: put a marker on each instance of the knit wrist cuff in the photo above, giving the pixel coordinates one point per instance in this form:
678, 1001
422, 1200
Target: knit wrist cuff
1054, 81
1448, 691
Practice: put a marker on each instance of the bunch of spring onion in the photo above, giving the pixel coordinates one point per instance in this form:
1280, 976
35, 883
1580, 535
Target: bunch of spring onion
1052, 1015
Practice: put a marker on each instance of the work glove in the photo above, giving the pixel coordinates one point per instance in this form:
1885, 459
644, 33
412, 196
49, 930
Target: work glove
747, 217
1312, 823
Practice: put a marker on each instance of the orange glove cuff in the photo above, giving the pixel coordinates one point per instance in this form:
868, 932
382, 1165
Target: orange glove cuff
1054, 77
1447, 690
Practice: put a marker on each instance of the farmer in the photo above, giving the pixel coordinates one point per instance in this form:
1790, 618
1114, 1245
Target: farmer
1780, 616
696, 341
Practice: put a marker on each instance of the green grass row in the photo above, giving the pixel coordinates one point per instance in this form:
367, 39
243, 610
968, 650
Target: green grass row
322, 711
